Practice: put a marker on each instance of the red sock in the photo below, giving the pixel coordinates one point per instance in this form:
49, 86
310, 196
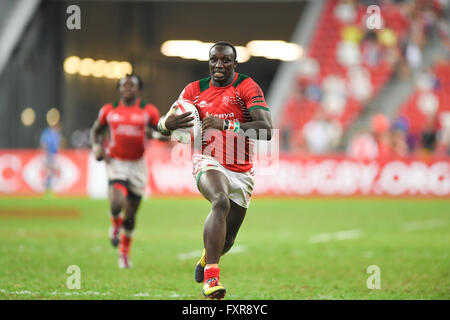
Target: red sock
125, 242
116, 221
211, 273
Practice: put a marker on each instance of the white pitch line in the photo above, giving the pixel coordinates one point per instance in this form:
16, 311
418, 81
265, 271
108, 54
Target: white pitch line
17, 292
95, 293
335, 236
326, 297
80, 293
198, 253
54, 293
424, 225
144, 294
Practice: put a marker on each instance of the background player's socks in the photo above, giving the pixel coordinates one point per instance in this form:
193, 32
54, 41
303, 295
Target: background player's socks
125, 243
114, 231
116, 221
124, 251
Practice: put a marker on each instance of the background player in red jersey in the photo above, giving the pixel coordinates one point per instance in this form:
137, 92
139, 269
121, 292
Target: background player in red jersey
128, 120
231, 105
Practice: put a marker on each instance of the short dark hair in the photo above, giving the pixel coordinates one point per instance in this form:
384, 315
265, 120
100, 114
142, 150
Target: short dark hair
131, 75
225, 44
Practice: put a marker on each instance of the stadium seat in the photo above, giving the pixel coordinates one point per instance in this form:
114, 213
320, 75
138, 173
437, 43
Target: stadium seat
323, 49
410, 108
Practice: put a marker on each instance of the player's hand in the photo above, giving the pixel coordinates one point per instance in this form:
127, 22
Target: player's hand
98, 151
184, 120
212, 122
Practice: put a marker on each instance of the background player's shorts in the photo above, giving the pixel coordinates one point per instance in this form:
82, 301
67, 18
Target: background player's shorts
241, 183
135, 173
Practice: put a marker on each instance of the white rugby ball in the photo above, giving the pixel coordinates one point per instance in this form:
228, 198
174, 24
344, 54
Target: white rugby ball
187, 135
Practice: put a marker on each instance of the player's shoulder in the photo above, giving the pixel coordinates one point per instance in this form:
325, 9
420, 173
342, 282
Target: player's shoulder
199, 85
247, 87
244, 80
203, 84
106, 108
104, 111
109, 105
194, 88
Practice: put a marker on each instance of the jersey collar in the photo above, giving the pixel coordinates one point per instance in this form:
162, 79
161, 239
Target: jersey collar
136, 104
236, 75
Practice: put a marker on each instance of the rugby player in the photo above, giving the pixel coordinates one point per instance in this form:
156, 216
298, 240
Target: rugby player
230, 105
50, 143
129, 120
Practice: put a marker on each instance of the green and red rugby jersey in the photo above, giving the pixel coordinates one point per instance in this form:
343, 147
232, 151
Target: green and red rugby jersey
127, 127
232, 102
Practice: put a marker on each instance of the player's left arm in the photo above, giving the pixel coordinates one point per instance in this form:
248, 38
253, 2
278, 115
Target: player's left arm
261, 121
261, 124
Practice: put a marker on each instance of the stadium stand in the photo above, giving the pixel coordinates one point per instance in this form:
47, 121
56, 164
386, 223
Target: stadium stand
348, 64
428, 108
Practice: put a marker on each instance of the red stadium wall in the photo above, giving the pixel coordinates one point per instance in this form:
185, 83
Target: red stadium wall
78, 174
22, 172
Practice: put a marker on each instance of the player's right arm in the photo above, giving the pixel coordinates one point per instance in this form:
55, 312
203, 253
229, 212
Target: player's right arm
172, 121
97, 133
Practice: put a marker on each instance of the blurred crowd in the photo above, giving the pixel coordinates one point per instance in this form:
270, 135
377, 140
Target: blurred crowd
348, 63
386, 138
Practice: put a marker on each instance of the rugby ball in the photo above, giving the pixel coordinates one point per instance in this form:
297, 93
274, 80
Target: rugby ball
187, 135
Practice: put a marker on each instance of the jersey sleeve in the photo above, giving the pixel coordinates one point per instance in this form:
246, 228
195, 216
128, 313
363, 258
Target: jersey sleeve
252, 95
104, 113
153, 114
189, 92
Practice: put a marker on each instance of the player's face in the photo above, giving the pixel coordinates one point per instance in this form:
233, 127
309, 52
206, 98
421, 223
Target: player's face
129, 89
222, 63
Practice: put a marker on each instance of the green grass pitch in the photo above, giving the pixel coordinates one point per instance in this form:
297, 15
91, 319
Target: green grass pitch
286, 249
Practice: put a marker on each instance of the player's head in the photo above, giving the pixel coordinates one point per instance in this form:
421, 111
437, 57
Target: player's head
222, 61
129, 86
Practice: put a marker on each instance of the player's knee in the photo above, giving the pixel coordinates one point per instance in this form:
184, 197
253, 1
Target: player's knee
128, 223
221, 203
